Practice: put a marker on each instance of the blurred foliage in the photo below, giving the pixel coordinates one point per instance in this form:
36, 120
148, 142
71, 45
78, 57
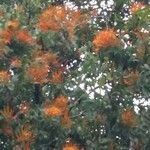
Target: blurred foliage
102, 89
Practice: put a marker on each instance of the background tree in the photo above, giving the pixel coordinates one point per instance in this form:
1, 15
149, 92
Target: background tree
74, 75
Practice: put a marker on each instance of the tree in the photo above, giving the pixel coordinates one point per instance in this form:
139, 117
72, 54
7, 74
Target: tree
74, 77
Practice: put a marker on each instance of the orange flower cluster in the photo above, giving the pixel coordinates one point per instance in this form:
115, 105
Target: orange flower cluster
25, 135
4, 77
105, 38
5, 37
136, 7
56, 18
7, 113
48, 58
57, 77
59, 108
70, 146
66, 120
15, 63
24, 37
52, 18
7, 34
129, 118
46, 68
12, 29
38, 73
131, 78
52, 111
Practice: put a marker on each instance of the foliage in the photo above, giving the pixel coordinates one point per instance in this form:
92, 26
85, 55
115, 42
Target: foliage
74, 78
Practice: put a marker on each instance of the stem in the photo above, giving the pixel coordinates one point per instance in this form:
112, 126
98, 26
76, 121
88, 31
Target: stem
37, 93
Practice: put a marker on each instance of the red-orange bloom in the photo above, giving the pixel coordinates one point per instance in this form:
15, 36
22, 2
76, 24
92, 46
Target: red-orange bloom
57, 77
61, 102
136, 7
52, 111
52, 18
66, 120
24, 37
58, 106
128, 118
38, 73
105, 38
6, 36
45, 57
60, 17
16, 63
25, 135
70, 146
4, 77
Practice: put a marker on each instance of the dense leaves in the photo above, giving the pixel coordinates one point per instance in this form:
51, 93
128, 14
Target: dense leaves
74, 75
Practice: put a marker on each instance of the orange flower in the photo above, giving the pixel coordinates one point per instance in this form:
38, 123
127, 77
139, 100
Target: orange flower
52, 111
24, 37
105, 38
45, 57
61, 102
128, 118
66, 120
59, 17
4, 77
25, 135
38, 73
7, 113
12, 25
57, 77
16, 63
6, 36
24, 107
52, 18
131, 78
70, 146
136, 7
